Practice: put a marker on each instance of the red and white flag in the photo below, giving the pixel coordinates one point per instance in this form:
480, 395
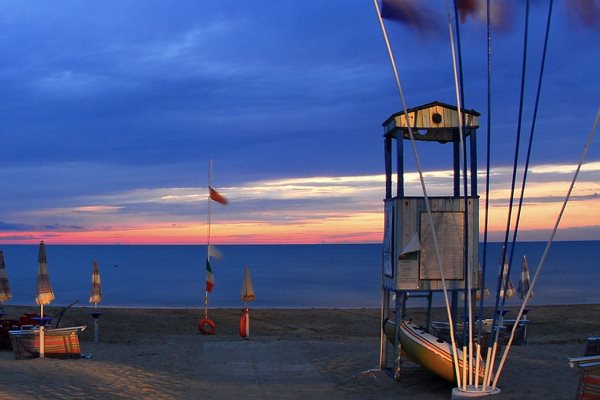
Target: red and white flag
216, 196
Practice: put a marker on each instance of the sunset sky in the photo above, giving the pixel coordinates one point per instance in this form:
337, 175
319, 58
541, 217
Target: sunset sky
112, 110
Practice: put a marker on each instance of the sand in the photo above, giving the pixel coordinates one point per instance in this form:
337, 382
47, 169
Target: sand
292, 354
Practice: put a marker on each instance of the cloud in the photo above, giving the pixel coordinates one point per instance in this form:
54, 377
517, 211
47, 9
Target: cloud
4, 226
7, 226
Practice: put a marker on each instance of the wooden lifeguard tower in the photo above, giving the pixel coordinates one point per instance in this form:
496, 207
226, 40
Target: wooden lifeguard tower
410, 265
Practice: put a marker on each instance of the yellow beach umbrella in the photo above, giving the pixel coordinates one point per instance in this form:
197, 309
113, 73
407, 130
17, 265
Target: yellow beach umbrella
43, 294
247, 288
247, 295
5, 292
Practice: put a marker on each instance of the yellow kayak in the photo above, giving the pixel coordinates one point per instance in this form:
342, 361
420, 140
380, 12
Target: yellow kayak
427, 350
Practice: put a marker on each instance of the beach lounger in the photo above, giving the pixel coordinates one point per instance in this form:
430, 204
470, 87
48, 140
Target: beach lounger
59, 343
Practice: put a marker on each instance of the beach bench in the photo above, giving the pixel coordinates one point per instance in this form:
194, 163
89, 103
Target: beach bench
589, 367
520, 337
589, 378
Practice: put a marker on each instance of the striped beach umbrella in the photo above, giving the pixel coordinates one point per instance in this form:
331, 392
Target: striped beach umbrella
510, 289
95, 298
96, 295
524, 282
43, 294
5, 292
482, 287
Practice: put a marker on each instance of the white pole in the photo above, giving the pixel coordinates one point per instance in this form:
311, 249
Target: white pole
96, 335
42, 331
484, 382
247, 323
465, 364
208, 238
469, 284
477, 364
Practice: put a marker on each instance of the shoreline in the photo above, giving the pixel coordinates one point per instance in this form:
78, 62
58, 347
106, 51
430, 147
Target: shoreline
417, 308
292, 353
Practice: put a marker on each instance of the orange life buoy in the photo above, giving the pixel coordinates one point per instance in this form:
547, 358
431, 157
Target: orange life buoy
207, 327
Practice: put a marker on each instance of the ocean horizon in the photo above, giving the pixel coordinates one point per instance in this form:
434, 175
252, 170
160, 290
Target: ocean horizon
284, 276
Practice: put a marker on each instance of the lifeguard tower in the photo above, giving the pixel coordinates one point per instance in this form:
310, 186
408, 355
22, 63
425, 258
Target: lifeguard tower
410, 265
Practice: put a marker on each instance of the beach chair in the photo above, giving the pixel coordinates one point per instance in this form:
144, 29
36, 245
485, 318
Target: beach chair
26, 321
589, 378
521, 331
30, 321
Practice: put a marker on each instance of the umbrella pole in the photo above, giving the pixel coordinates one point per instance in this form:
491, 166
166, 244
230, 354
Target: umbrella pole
96, 328
247, 320
96, 335
42, 331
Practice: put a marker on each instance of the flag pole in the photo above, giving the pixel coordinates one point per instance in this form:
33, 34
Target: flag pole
208, 239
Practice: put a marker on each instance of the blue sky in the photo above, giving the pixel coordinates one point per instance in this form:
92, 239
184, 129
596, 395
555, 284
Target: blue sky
111, 111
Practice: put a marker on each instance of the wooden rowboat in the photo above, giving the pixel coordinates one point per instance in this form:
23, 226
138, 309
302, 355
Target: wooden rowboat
427, 350
59, 342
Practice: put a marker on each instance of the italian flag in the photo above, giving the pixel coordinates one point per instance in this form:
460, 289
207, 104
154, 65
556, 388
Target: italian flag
210, 279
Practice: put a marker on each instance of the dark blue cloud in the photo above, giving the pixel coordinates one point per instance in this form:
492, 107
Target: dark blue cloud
7, 226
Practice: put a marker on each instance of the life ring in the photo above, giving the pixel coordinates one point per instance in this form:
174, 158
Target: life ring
244, 319
207, 327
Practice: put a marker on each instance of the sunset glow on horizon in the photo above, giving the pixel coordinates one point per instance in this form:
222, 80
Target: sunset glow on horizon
310, 210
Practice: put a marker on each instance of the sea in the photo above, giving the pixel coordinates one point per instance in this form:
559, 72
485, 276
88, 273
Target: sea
283, 276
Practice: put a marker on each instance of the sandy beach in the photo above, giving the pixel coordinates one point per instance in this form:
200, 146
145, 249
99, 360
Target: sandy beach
292, 354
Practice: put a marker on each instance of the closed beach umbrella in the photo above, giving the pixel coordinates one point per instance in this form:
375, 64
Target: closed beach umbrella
247, 289
5, 292
510, 290
481, 288
95, 298
43, 294
247, 295
524, 282
96, 295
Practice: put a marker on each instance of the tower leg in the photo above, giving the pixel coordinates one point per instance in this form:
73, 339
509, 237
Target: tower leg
385, 305
399, 307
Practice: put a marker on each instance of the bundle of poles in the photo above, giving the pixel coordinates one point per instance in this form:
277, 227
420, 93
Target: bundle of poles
468, 379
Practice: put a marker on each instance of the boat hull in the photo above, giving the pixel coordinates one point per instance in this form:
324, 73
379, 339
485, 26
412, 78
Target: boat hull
431, 352
59, 343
